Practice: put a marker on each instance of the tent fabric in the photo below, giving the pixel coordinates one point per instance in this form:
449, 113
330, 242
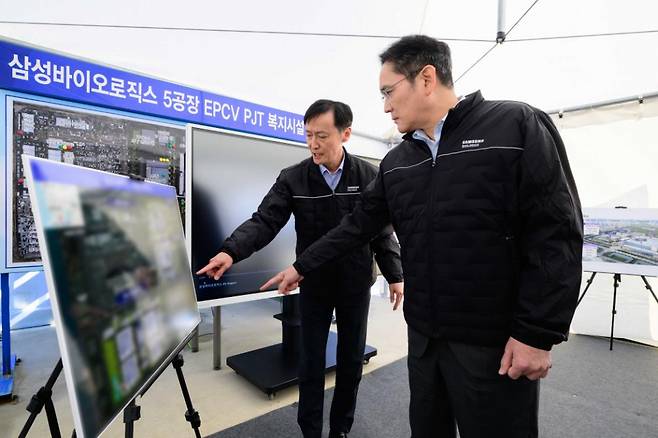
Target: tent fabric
291, 70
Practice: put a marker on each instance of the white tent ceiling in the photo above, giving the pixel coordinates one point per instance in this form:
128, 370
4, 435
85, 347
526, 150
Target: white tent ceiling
288, 68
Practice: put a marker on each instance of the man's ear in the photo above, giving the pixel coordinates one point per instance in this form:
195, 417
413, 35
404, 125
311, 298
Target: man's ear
346, 134
430, 81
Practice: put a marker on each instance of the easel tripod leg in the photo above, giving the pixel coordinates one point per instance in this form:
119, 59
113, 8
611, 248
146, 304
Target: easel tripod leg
648, 286
617, 280
192, 416
39, 400
589, 283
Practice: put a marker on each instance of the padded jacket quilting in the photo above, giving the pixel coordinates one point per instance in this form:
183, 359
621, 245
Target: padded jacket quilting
490, 231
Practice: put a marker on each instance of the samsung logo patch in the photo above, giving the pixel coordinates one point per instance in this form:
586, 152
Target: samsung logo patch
467, 144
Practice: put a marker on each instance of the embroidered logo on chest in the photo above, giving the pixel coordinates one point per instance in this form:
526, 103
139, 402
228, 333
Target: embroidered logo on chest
473, 143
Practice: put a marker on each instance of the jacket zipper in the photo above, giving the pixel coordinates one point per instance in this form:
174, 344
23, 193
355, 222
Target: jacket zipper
430, 218
430, 256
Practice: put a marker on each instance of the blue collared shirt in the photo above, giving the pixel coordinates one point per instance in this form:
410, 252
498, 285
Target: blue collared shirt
332, 179
419, 134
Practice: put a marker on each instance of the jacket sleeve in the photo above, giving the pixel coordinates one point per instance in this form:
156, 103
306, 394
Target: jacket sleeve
254, 234
550, 238
387, 254
357, 228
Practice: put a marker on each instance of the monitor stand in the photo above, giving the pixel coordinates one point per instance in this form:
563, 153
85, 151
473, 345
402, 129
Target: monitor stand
275, 367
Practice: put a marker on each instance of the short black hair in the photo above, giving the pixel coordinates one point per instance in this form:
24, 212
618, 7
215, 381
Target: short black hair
342, 112
413, 52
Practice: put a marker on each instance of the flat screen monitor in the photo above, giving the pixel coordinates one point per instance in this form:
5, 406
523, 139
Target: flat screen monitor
119, 282
228, 176
621, 241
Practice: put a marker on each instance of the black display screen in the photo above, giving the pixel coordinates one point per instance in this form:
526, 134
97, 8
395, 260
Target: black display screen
231, 174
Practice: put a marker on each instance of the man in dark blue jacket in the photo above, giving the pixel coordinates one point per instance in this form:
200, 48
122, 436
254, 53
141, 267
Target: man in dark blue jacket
484, 204
320, 191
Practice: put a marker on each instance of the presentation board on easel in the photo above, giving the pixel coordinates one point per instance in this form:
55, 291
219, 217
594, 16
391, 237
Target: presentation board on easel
119, 282
621, 241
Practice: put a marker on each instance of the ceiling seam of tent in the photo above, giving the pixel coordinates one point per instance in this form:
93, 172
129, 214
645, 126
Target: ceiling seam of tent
243, 31
192, 29
497, 42
476, 62
521, 17
590, 35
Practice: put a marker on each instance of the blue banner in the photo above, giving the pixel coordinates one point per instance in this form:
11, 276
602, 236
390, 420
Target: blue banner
31, 70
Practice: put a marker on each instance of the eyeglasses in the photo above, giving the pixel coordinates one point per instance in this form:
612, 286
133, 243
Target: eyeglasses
386, 91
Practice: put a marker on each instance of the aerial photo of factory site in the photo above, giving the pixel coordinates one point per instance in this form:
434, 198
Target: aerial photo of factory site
616, 240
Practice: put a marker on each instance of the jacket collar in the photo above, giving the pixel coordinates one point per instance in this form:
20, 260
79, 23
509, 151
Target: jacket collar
347, 165
458, 113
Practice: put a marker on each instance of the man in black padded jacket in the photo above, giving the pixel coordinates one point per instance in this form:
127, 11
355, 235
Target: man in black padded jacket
319, 191
484, 204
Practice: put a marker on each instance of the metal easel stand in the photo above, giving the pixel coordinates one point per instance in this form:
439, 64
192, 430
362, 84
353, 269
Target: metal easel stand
616, 281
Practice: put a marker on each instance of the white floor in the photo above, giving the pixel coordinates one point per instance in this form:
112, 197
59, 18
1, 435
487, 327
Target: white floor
222, 398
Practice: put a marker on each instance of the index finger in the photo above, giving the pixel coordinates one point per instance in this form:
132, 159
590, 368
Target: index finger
205, 269
272, 281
